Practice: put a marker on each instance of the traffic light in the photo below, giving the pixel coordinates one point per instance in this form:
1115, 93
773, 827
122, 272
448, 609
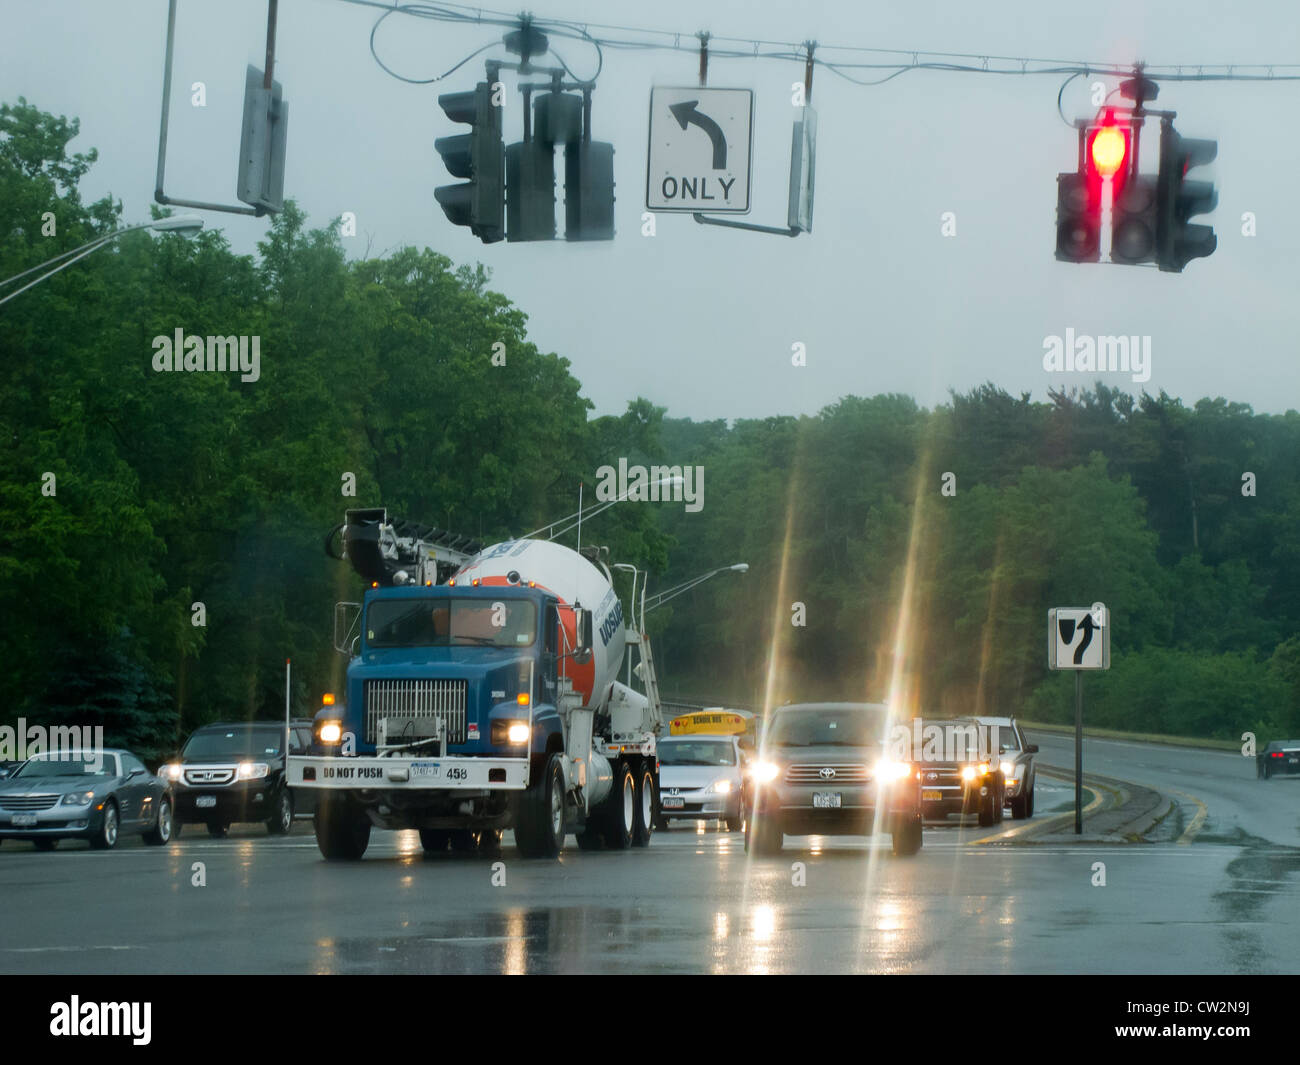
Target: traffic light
1078, 218
589, 191
1133, 222
479, 156
530, 191
1177, 242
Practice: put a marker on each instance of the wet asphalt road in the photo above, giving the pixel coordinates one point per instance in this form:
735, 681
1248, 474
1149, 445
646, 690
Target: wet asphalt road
693, 902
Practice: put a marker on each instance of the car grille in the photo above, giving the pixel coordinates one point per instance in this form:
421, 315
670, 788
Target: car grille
217, 775
940, 776
827, 774
425, 699
28, 802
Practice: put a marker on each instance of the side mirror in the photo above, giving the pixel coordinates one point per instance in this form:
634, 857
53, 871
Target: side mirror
347, 621
1031, 748
134, 773
582, 637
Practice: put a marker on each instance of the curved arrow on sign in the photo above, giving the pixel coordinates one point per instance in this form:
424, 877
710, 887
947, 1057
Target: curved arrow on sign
688, 113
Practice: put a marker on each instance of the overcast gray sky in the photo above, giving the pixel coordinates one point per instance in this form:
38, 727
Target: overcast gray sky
701, 320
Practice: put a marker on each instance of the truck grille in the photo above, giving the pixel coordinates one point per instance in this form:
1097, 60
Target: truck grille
430, 699
940, 776
827, 774
28, 802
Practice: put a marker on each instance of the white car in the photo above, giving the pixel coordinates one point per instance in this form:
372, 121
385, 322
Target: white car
702, 777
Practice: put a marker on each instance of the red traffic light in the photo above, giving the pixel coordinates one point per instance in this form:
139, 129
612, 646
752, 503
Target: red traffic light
1107, 148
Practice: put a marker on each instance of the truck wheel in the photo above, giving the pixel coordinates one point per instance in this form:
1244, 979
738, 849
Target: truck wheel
434, 840
907, 838
999, 804
1020, 807
647, 801
539, 822
986, 815
735, 824
620, 810
342, 832
280, 822
1029, 804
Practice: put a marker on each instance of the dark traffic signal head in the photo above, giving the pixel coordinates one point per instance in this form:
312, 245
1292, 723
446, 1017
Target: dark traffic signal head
1078, 219
479, 156
1133, 222
1177, 242
589, 191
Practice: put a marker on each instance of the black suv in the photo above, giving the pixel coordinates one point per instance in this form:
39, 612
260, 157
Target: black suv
228, 773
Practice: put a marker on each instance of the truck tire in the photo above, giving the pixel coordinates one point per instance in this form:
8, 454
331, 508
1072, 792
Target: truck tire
647, 808
620, 810
1029, 805
342, 832
987, 817
281, 821
1019, 807
434, 840
906, 838
590, 839
539, 821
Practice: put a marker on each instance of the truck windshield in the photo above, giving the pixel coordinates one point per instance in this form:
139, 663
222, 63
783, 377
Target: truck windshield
827, 728
235, 741
446, 622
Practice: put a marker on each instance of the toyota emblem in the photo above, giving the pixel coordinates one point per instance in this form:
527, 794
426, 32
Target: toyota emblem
827, 773
931, 776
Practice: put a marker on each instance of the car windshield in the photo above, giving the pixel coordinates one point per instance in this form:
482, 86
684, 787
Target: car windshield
697, 752
69, 765
445, 622
827, 728
235, 741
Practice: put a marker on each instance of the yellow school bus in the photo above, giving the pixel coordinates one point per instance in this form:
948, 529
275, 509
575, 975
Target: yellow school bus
715, 721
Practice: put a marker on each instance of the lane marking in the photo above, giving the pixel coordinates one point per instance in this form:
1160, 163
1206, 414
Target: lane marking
1198, 821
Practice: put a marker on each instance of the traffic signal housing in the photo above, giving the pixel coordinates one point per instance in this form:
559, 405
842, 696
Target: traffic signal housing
1133, 222
1078, 218
589, 191
479, 156
1177, 241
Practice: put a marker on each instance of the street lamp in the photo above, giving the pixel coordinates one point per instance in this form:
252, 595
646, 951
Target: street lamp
660, 598
185, 224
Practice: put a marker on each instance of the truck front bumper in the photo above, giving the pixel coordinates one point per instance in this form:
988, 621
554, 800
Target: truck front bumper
408, 774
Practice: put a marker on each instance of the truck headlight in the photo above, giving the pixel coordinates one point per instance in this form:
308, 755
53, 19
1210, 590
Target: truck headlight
765, 772
968, 772
79, 798
513, 733
721, 787
330, 732
253, 770
888, 769
1008, 769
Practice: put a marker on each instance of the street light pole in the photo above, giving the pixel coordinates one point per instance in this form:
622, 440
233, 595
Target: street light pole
660, 598
187, 224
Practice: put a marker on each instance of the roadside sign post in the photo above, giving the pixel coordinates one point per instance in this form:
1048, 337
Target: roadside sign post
1078, 638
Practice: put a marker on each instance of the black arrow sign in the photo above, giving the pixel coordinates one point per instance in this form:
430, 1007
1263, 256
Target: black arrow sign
1087, 626
687, 113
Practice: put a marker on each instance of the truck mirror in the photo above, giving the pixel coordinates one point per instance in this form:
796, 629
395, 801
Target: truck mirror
582, 637
347, 621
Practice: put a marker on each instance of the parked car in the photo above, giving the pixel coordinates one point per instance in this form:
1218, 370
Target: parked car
234, 772
1016, 757
824, 769
92, 795
961, 778
1279, 756
702, 777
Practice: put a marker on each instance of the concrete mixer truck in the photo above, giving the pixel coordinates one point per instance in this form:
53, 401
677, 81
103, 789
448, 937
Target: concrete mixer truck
481, 694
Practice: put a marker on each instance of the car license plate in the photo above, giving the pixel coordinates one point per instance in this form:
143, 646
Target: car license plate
205, 802
827, 800
1293, 759
672, 802
931, 796
24, 820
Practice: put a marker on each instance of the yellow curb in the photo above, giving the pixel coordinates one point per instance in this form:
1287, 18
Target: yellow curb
1068, 815
1198, 822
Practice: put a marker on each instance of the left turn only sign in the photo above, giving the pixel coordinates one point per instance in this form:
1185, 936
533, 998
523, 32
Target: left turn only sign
701, 141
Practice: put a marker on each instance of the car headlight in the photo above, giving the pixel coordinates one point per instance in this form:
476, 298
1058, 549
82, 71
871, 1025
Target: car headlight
330, 732
172, 771
1008, 769
968, 772
79, 798
765, 771
889, 769
253, 770
721, 787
